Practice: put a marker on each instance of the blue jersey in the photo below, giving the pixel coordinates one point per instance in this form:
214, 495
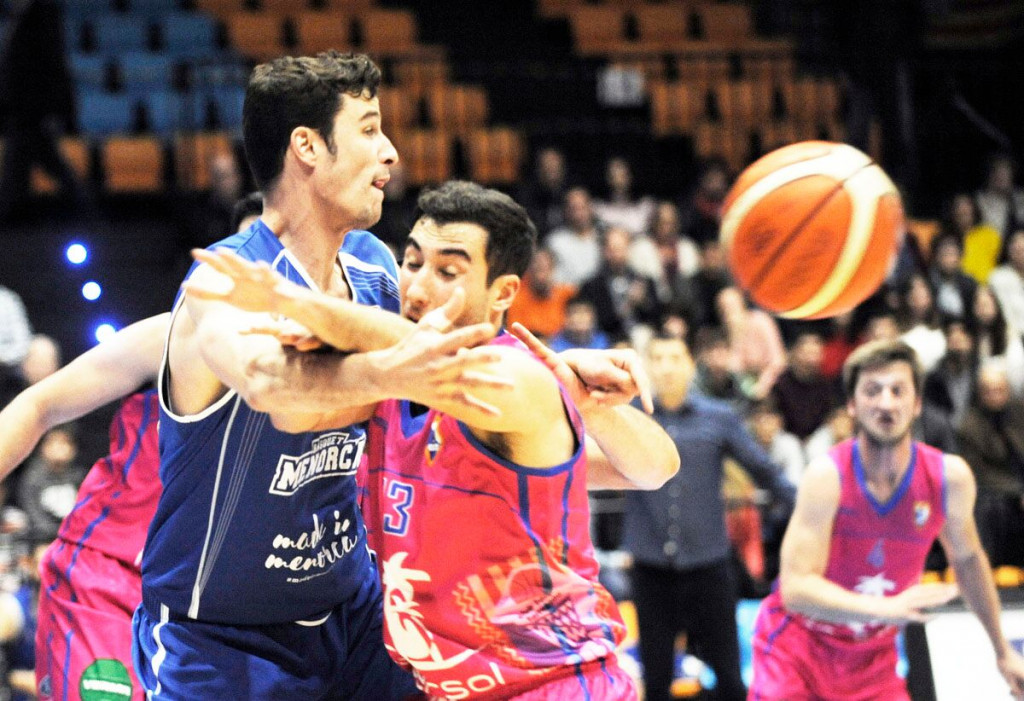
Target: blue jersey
256, 526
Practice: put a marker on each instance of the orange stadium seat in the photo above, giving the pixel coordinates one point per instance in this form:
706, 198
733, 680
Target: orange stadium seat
495, 155
133, 164
775, 134
552, 9
258, 36
320, 31
284, 7
418, 75
745, 103
220, 8
347, 5
725, 23
457, 108
703, 67
675, 107
767, 68
710, 139
192, 153
598, 30
662, 27
398, 109
76, 151
388, 32
426, 154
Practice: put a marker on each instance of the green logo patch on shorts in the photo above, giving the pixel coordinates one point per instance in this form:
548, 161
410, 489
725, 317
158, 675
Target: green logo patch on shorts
105, 680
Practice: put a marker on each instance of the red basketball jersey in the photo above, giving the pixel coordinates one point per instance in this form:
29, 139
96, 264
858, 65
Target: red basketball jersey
880, 549
490, 581
118, 497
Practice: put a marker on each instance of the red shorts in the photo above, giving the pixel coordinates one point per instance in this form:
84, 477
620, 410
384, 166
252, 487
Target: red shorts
792, 663
84, 638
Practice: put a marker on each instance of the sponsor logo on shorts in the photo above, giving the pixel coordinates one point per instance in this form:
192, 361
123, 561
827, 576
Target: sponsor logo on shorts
105, 680
334, 454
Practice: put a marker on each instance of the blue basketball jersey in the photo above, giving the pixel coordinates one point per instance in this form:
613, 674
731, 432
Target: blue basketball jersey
254, 525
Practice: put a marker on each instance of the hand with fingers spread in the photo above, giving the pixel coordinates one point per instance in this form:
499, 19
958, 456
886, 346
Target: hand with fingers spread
912, 605
252, 286
594, 378
436, 365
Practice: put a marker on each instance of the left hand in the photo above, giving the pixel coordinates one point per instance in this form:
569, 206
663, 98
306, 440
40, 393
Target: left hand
1011, 666
594, 378
252, 286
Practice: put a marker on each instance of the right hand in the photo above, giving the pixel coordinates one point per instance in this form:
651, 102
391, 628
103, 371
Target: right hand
913, 604
252, 286
435, 365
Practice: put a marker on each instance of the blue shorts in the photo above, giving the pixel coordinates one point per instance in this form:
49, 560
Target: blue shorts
342, 657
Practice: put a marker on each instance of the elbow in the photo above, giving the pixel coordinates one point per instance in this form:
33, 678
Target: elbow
261, 388
792, 596
664, 471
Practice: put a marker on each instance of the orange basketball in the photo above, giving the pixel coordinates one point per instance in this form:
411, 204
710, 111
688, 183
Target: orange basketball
811, 229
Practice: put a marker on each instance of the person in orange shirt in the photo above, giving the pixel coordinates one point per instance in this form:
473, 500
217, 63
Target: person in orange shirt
541, 302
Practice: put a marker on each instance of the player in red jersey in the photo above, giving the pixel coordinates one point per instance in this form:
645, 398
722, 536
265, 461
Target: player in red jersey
865, 517
90, 579
479, 515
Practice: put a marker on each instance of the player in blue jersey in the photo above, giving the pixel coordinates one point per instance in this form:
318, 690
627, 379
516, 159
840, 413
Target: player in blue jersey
257, 582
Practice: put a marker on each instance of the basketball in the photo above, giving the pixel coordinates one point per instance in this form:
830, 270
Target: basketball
811, 229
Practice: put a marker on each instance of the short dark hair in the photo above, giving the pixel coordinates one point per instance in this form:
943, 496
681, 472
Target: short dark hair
291, 92
876, 354
511, 236
249, 206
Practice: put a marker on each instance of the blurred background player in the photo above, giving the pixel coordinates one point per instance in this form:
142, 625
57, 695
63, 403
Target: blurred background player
866, 517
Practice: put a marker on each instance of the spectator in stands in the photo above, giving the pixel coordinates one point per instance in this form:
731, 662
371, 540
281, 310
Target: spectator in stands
48, 488
838, 344
543, 196
1007, 280
953, 289
758, 354
1000, 203
992, 441
577, 244
712, 277
15, 336
994, 337
785, 449
949, 388
715, 375
881, 326
35, 88
399, 211
541, 303
803, 396
837, 427
981, 242
42, 360
668, 258
620, 208
702, 213
210, 216
580, 329
621, 297
920, 322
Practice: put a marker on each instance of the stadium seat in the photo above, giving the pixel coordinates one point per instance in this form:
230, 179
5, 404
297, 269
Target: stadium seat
457, 108
152, 8
227, 103
344, 5
661, 27
675, 107
711, 139
100, 114
284, 7
419, 75
220, 8
76, 151
744, 103
388, 32
495, 155
132, 164
188, 34
398, 109
168, 112
724, 23
192, 153
117, 33
141, 72
258, 36
598, 30
89, 71
82, 9
320, 31
426, 153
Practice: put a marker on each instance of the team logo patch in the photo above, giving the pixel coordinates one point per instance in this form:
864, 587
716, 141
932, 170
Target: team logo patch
105, 680
876, 558
334, 454
434, 442
922, 510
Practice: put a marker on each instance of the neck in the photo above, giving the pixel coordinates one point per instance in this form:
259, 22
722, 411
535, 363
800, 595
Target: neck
304, 229
672, 398
884, 464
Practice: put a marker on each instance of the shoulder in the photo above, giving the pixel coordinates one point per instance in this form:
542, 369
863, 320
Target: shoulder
821, 478
958, 473
367, 252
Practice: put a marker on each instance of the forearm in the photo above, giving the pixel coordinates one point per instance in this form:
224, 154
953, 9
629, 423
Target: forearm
974, 576
814, 596
22, 423
344, 324
635, 446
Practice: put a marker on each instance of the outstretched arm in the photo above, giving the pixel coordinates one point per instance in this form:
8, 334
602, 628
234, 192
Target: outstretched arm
101, 375
959, 539
626, 449
804, 558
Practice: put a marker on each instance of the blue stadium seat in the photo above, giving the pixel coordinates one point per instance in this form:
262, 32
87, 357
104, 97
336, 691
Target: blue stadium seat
82, 9
188, 34
73, 32
153, 8
227, 100
101, 114
168, 112
88, 70
117, 33
143, 71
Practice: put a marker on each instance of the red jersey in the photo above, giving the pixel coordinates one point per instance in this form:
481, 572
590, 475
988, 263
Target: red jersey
118, 497
880, 549
490, 582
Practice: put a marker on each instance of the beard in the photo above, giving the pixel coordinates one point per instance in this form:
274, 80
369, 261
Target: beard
883, 440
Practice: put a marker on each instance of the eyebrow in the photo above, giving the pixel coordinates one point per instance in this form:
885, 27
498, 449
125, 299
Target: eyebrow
370, 114
458, 252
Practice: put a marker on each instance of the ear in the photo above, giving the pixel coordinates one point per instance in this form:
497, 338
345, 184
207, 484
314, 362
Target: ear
503, 291
303, 145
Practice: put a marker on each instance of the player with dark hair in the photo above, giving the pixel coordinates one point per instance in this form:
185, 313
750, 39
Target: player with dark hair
866, 516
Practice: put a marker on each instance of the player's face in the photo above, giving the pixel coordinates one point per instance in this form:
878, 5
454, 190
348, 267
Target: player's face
352, 179
885, 403
440, 258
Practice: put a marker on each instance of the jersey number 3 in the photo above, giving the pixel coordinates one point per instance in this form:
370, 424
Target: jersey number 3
398, 522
